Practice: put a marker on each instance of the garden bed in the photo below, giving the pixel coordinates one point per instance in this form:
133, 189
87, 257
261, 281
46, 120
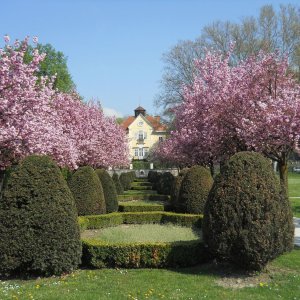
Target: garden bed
175, 252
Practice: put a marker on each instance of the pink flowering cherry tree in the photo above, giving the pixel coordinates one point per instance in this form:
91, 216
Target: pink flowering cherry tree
253, 105
36, 119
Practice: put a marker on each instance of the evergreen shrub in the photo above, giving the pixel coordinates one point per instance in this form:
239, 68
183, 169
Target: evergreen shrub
125, 180
194, 190
88, 192
247, 218
38, 221
109, 190
175, 189
118, 185
165, 183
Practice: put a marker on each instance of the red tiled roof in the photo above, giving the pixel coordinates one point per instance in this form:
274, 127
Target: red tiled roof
157, 126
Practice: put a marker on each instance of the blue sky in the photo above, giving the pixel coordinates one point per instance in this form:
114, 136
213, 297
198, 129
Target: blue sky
114, 48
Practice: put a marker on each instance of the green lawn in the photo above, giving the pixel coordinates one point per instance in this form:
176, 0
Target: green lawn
294, 191
281, 281
143, 233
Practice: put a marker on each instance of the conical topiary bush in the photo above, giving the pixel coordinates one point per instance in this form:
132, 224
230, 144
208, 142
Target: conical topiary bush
109, 189
88, 192
118, 185
38, 221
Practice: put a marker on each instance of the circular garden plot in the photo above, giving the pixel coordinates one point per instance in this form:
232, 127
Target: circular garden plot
142, 239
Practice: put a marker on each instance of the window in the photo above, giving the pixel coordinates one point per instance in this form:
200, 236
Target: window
136, 152
141, 152
160, 139
141, 135
140, 123
146, 152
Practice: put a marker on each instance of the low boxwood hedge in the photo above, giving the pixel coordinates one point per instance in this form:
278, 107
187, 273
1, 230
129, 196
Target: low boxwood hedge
149, 217
140, 208
99, 254
154, 197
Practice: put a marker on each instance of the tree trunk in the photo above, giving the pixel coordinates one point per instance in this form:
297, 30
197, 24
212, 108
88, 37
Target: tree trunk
212, 168
283, 173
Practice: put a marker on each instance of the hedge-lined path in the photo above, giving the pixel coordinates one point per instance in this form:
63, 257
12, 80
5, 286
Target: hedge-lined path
297, 231
142, 197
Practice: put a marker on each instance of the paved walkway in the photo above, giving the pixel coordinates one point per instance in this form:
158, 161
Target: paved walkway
297, 231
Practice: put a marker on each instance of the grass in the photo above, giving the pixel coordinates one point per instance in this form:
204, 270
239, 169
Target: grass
281, 281
294, 191
143, 233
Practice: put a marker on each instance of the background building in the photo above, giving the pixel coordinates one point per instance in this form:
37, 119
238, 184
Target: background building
143, 132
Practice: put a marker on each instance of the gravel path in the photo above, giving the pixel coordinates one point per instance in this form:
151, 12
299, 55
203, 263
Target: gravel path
297, 231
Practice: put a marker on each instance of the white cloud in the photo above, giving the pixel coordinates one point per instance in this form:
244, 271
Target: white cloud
109, 112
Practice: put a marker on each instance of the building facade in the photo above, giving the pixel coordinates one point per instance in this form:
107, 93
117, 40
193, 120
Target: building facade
143, 132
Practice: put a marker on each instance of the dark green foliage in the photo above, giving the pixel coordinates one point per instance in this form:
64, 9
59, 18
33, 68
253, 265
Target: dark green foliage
175, 189
152, 176
118, 185
109, 189
194, 190
98, 254
38, 221
125, 180
247, 218
132, 175
88, 192
155, 197
165, 183
153, 217
67, 173
140, 208
155, 181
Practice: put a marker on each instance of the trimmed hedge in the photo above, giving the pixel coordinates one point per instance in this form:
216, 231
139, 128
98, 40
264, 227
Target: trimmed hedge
38, 221
109, 190
194, 190
247, 218
100, 254
175, 189
118, 185
165, 183
141, 208
125, 180
87, 191
154, 197
115, 219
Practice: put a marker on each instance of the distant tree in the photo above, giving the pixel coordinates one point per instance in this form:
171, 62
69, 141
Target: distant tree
270, 31
54, 64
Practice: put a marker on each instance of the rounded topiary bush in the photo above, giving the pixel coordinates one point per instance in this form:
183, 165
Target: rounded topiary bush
109, 189
125, 181
247, 218
118, 185
38, 221
175, 188
152, 176
88, 192
194, 190
165, 183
